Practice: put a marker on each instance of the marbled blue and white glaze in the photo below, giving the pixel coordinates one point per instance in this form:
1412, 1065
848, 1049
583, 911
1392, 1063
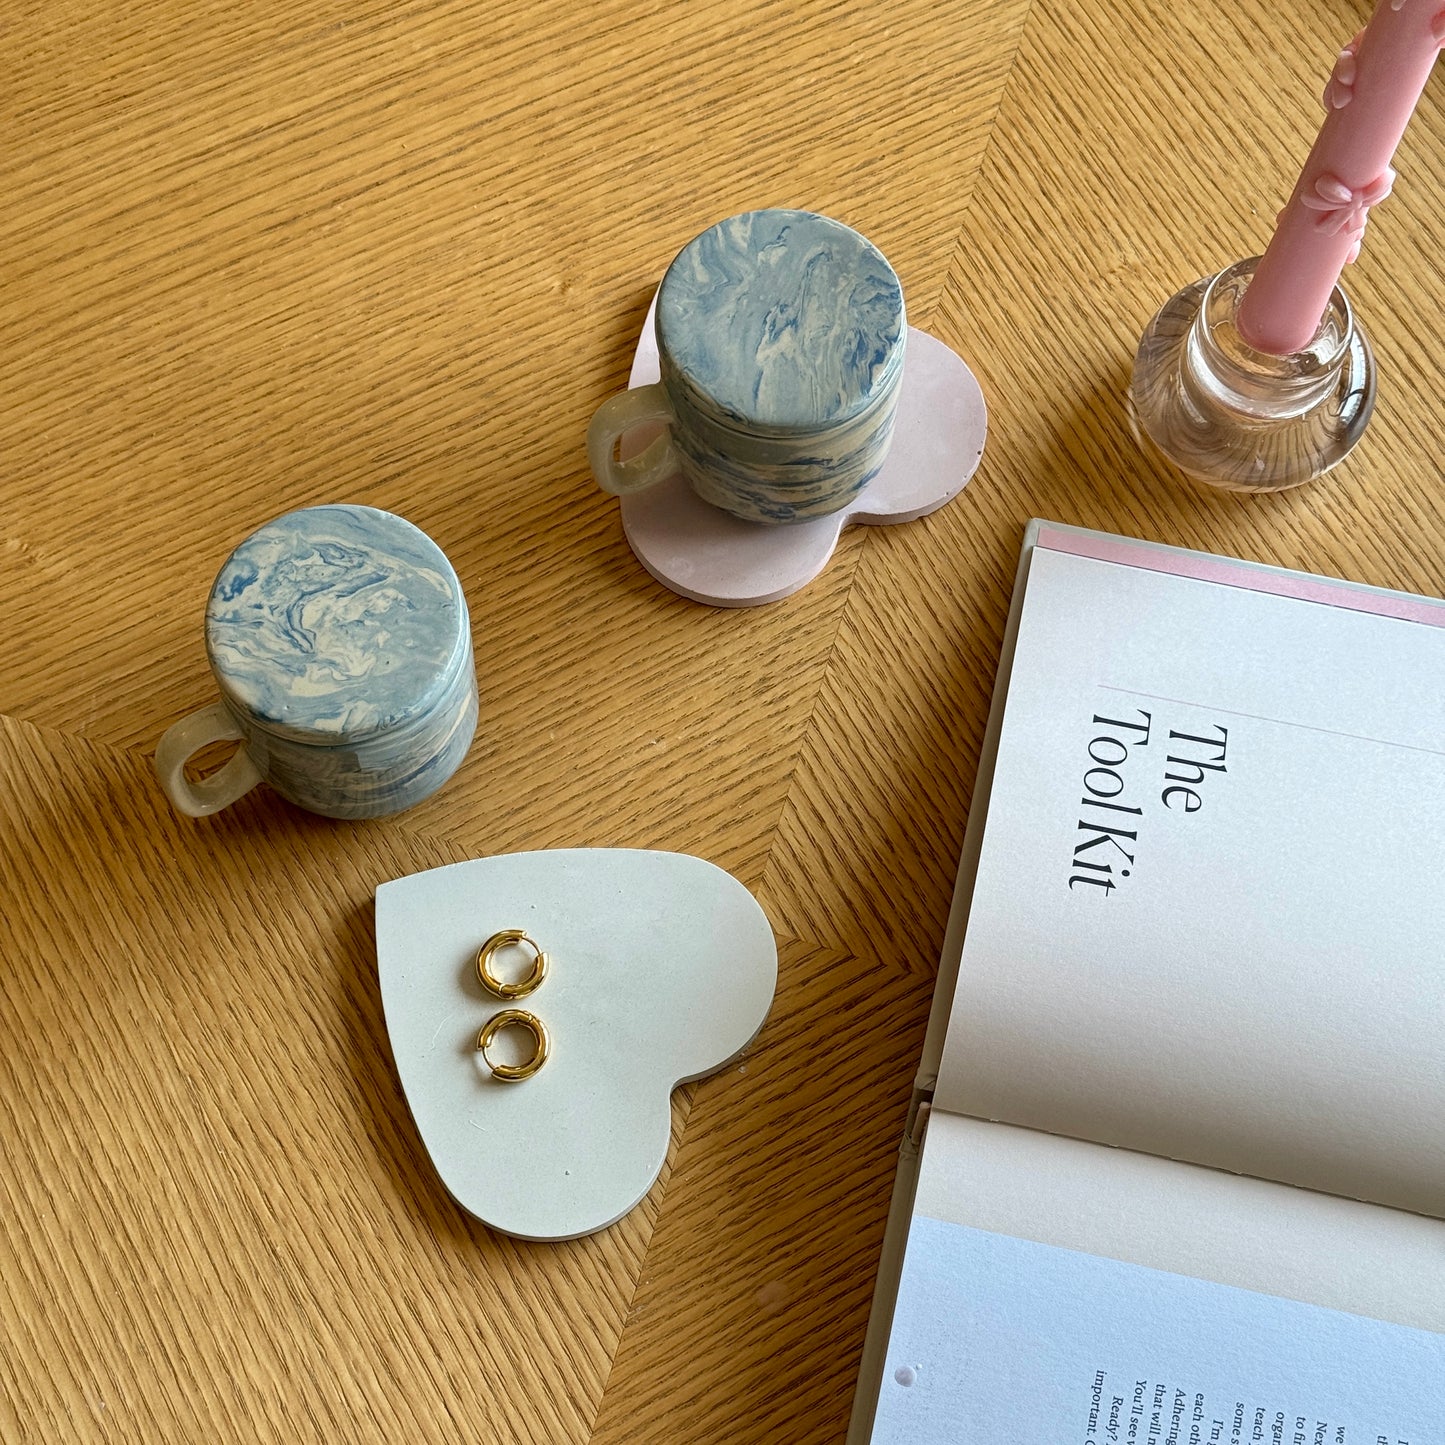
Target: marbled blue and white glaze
341, 642
781, 337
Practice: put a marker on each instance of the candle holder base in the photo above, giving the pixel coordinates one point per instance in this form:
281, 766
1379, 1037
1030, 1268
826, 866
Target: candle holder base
1242, 419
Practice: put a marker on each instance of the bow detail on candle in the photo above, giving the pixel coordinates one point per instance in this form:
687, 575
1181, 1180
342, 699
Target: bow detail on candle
1338, 207
1437, 25
1374, 87
1340, 87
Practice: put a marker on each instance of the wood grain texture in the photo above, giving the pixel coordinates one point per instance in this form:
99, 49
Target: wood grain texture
779, 1233
259, 257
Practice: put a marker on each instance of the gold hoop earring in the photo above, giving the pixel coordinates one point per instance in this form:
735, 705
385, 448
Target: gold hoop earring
515, 1018
530, 983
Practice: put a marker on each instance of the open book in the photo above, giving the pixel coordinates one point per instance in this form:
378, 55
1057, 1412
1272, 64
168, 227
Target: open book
1176, 1169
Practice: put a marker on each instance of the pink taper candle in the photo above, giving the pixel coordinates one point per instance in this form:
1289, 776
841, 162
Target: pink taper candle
1369, 100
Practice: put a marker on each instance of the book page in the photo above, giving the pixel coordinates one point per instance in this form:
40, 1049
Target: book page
1136, 1301
998, 1338
1230, 1229
1209, 916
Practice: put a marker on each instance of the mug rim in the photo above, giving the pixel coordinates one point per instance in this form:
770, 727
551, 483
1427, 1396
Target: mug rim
678, 377
437, 687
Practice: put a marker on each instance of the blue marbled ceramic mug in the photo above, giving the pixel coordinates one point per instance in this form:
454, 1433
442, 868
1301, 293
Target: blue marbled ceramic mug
780, 338
341, 643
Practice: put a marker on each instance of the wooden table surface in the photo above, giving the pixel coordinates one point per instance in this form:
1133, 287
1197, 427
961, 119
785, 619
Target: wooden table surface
261, 256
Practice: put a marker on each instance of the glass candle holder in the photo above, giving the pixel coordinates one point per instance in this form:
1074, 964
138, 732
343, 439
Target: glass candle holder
1242, 419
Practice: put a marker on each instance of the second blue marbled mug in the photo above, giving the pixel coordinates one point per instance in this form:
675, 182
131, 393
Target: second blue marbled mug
342, 647
780, 338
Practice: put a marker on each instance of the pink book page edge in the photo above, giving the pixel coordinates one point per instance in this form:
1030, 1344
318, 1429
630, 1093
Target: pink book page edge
1250, 576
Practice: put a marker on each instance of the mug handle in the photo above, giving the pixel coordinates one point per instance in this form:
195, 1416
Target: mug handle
182, 740
611, 421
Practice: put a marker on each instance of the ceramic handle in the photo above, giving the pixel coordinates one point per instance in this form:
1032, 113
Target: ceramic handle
617, 416
182, 741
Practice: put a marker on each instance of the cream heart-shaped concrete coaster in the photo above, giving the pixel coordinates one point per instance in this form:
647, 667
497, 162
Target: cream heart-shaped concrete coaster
661, 968
704, 554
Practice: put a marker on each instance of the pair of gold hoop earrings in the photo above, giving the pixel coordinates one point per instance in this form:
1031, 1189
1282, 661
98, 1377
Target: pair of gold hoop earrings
508, 1018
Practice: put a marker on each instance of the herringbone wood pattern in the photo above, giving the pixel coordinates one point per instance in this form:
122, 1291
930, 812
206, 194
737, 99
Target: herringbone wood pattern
267, 255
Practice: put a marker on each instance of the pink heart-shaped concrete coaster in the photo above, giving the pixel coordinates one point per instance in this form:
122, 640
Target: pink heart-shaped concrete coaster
705, 554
